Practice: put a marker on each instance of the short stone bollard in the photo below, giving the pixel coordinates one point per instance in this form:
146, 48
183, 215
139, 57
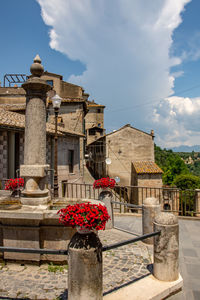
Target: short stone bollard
85, 267
106, 198
166, 247
151, 208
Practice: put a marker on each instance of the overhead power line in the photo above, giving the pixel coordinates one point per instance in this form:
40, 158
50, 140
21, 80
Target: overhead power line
152, 101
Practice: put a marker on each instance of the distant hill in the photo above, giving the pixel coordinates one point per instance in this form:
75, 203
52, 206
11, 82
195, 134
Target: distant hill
183, 148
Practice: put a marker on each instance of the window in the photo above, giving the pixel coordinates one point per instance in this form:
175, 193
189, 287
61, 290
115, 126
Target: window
71, 160
92, 131
50, 82
99, 110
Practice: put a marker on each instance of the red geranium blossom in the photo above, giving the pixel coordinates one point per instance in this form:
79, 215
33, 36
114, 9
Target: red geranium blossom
91, 216
104, 183
14, 184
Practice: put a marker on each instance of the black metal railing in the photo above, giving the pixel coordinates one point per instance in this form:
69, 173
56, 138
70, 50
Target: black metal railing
123, 243
172, 199
32, 250
65, 252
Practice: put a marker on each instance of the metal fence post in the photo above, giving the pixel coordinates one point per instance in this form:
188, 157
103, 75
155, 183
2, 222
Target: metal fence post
150, 209
166, 247
85, 267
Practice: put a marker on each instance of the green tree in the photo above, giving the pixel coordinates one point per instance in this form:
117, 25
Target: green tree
171, 163
187, 181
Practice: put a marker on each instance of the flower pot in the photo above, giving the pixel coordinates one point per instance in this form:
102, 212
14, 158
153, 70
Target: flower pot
84, 230
15, 193
105, 194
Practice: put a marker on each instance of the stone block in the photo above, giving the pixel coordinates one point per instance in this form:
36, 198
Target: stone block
57, 238
33, 170
21, 237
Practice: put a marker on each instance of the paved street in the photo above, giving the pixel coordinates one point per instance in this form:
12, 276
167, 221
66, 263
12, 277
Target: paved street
189, 253
122, 265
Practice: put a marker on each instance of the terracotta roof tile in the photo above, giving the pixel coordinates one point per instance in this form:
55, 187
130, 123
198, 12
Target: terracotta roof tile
147, 167
13, 107
15, 120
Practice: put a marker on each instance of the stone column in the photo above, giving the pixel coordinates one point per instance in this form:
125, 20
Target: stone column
34, 168
106, 197
166, 247
85, 267
197, 203
151, 208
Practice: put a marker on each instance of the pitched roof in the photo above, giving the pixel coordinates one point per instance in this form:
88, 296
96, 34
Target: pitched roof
93, 104
146, 167
13, 107
15, 120
127, 126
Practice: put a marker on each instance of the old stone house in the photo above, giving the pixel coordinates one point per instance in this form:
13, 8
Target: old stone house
12, 126
122, 147
145, 174
94, 121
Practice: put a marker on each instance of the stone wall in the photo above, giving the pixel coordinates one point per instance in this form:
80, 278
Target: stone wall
12, 95
150, 180
3, 154
64, 144
94, 117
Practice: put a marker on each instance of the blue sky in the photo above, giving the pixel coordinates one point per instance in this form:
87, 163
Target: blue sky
141, 59
23, 35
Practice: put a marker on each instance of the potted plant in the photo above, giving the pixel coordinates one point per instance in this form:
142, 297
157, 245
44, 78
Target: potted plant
105, 184
86, 217
14, 185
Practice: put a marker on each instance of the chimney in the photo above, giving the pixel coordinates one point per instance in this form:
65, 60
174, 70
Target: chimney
152, 133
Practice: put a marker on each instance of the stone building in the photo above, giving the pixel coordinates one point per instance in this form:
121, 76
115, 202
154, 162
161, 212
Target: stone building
72, 111
145, 174
123, 147
12, 126
94, 121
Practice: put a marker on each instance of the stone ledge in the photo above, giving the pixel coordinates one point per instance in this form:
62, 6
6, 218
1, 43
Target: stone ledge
148, 288
33, 170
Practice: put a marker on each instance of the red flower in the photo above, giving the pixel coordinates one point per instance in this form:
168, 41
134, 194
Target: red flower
14, 184
89, 215
104, 182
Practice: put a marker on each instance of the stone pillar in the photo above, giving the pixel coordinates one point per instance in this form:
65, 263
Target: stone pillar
106, 197
85, 267
151, 208
34, 168
166, 247
197, 203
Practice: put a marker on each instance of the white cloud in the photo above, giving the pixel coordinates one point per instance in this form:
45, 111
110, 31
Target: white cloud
125, 46
181, 116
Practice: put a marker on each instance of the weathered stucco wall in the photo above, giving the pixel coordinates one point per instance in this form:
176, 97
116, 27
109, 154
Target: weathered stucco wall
12, 95
94, 117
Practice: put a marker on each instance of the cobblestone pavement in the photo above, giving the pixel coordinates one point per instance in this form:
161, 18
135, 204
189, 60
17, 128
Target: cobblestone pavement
120, 266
